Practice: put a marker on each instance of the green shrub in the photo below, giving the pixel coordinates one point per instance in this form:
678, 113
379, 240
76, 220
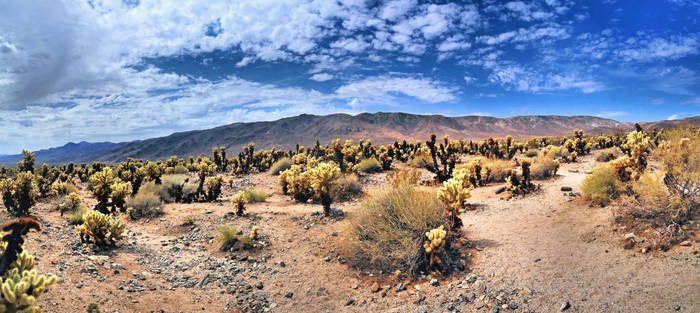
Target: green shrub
601, 186
531, 153
369, 166
281, 165
420, 161
78, 216
606, 155
69, 203
255, 195
544, 167
389, 230
144, 204
62, 189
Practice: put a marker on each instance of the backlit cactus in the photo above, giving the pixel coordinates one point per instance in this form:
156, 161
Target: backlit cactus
19, 194
453, 194
624, 168
239, 200
322, 179
213, 185
100, 229
637, 147
436, 240
104, 187
297, 182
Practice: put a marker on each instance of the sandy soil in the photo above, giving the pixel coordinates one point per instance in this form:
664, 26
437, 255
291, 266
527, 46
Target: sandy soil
533, 254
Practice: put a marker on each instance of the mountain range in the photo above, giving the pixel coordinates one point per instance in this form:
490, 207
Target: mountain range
305, 129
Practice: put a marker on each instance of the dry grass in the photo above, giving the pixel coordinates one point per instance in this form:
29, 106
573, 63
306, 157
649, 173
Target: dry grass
230, 240
601, 186
388, 231
543, 168
255, 195
146, 203
498, 170
346, 188
369, 166
281, 165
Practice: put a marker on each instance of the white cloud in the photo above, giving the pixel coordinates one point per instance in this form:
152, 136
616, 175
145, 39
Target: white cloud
322, 77
612, 114
673, 117
383, 89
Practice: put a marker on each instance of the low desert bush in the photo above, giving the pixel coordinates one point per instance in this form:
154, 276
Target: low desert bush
602, 186
544, 167
531, 153
390, 228
100, 229
239, 200
171, 189
369, 166
255, 195
281, 165
347, 187
230, 240
499, 170
62, 189
78, 216
69, 203
606, 155
420, 161
146, 203
680, 155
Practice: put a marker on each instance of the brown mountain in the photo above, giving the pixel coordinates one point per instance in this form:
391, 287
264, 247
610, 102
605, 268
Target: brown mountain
381, 128
305, 129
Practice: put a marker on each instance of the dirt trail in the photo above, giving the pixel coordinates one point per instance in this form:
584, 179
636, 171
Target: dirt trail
562, 250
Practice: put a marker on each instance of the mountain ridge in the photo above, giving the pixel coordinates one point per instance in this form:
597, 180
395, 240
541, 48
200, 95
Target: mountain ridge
305, 129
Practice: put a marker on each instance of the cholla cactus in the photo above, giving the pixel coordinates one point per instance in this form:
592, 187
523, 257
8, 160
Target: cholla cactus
154, 171
214, 187
120, 191
99, 229
436, 240
21, 285
473, 172
239, 200
624, 168
19, 194
254, 232
637, 147
101, 188
453, 194
322, 178
71, 202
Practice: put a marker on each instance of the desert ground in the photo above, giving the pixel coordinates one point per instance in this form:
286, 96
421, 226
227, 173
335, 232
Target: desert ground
545, 252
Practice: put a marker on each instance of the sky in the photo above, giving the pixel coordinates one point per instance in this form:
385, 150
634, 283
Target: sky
120, 70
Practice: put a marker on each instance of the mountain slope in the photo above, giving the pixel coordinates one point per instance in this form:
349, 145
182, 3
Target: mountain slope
70, 152
381, 128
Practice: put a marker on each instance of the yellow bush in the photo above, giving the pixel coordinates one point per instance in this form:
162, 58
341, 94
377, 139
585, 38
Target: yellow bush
239, 200
323, 178
99, 229
601, 186
453, 194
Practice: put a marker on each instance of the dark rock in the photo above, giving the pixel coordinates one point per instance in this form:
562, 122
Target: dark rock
564, 306
289, 295
566, 188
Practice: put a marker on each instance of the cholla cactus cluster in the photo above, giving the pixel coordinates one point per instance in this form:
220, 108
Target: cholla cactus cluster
22, 285
436, 240
520, 184
317, 180
100, 229
239, 200
322, 177
637, 147
453, 193
104, 187
475, 172
19, 194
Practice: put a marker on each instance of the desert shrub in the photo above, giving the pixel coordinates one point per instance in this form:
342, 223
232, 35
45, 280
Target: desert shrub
680, 155
144, 204
347, 187
606, 155
369, 166
179, 170
100, 229
498, 170
389, 230
601, 186
281, 165
255, 195
69, 203
555, 152
19, 194
230, 240
544, 167
297, 182
531, 153
21, 285
77, 217
62, 189
323, 178
172, 188
239, 200
420, 160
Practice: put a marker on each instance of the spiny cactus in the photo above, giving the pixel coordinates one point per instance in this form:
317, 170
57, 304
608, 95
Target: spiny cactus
20, 284
453, 194
443, 171
239, 200
27, 163
298, 183
322, 179
19, 194
637, 146
104, 187
624, 168
100, 229
214, 187
474, 172
436, 240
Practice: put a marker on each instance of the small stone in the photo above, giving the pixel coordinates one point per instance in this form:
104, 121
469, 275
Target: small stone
630, 236
422, 310
400, 287
350, 302
434, 282
629, 244
677, 308
566, 188
374, 287
495, 310
259, 285
686, 243
354, 286
289, 295
564, 306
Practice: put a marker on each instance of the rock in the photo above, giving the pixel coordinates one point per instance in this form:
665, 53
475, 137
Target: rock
434, 282
259, 285
566, 188
289, 295
686, 243
374, 287
677, 308
471, 279
350, 302
500, 190
495, 310
564, 306
421, 310
630, 236
400, 287
629, 244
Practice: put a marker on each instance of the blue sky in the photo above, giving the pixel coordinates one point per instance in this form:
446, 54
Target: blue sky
124, 70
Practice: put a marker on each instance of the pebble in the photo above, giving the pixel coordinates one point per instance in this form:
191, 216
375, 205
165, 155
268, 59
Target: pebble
434, 282
374, 287
289, 295
686, 243
564, 306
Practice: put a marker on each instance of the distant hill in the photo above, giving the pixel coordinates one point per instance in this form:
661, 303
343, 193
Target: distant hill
305, 129
70, 152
